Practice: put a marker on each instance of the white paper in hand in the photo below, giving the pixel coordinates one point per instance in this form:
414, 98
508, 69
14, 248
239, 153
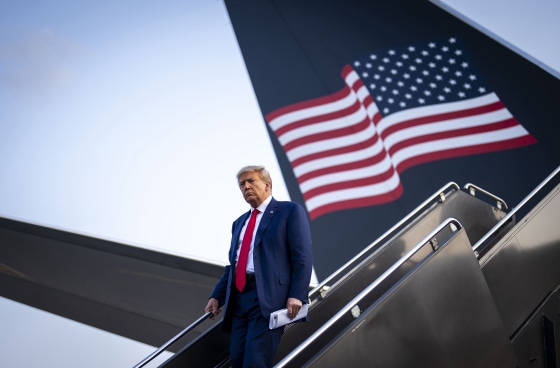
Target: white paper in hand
280, 317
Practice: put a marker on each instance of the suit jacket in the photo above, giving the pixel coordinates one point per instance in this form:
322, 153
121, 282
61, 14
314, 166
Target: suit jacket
282, 257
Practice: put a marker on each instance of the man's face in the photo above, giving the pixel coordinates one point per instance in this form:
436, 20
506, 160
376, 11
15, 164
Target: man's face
254, 190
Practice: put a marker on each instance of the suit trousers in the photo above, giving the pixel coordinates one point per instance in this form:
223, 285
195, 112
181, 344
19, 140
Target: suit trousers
252, 344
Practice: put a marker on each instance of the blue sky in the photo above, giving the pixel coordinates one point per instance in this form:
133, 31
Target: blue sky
144, 110
134, 106
110, 114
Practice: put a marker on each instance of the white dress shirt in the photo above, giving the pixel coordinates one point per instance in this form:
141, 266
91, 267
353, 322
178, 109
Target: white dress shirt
261, 208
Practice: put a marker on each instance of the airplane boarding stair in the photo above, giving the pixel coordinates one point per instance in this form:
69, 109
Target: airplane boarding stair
457, 282
456, 307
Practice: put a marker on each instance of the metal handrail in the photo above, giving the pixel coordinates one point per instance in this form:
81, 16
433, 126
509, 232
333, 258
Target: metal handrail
438, 194
473, 188
348, 307
510, 214
164, 347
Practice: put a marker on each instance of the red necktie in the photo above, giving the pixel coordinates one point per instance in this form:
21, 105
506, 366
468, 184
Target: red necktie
244, 253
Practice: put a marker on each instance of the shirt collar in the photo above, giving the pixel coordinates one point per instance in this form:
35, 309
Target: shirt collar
264, 204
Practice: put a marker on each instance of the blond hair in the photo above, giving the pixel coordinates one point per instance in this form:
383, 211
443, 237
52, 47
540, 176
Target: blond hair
261, 170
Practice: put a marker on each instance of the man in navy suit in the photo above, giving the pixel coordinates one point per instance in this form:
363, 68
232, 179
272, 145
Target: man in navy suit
277, 272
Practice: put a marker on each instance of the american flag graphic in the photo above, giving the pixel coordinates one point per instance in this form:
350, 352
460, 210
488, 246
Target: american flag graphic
400, 107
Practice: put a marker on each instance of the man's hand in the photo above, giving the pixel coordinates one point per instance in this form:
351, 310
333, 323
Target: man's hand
293, 305
213, 306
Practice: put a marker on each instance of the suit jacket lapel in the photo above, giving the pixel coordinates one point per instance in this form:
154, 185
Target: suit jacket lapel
265, 220
235, 236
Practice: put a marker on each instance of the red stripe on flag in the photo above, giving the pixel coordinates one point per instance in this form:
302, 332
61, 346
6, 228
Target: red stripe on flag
355, 203
442, 117
319, 118
343, 167
466, 151
375, 179
337, 151
453, 133
320, 101
317, 137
